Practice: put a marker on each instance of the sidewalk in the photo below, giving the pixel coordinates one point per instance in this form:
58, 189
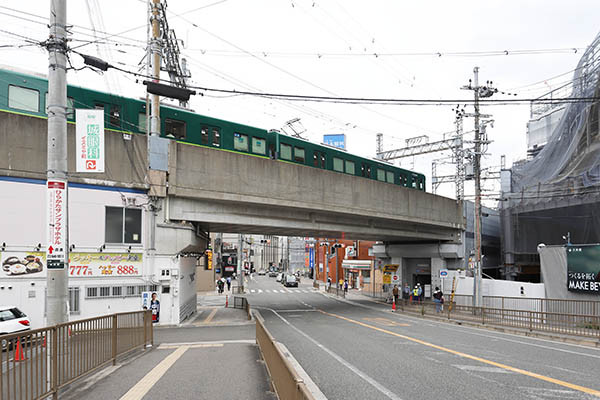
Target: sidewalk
212, 356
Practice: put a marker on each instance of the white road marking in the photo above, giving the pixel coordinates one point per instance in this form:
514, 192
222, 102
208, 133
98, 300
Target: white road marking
478, 368
351, 367
260, 291
252, 290
209, 342
145, 384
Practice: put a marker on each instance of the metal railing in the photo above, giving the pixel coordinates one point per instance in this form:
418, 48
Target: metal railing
242, 303
36, 364
285, 379
587, 325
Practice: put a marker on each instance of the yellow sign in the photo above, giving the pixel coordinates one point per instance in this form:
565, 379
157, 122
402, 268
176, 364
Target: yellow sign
387, 279
210, 255
390, 267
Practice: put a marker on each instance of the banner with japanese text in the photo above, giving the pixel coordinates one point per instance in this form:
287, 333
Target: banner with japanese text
89, 140
583, 269
32, 264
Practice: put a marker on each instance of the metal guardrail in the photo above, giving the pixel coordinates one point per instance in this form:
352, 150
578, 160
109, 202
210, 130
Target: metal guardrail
562, 323
332, 290
286, 381
242, 303
36, 364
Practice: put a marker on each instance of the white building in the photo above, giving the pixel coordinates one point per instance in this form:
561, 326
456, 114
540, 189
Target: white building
120, 248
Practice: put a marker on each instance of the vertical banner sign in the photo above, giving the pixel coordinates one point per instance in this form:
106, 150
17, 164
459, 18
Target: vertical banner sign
311, 258
57, 224
90, 140
583, 269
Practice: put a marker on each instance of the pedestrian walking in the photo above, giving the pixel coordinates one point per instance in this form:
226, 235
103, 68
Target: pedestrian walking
220, 285
229, 283
438, 299
396, 293
419, 292
328, 283
346, 287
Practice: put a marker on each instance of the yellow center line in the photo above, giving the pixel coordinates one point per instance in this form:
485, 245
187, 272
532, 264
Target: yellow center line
482, 360
210, 316
143, 386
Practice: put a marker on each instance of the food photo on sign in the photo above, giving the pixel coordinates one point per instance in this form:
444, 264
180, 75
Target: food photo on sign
23, 263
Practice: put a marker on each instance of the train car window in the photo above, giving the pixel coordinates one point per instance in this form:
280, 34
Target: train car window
299, 154
338, 164
204, 135
24, 99
380, 175
142, 122
115, 116
421, 184
240, 142
174, 128
350, 167
286, 151
323, 161
389, 177
316, 157
216, 136
413, 182
365, 170
259, 146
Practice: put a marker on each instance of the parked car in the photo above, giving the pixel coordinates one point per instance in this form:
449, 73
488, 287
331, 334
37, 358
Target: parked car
279, 277
290, 280
262, 272
272, 274
12, 320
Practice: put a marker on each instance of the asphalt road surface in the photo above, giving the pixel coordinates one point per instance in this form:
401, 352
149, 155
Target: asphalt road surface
361, 350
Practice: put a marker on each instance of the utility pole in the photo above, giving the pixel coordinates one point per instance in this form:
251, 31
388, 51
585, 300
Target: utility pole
155, 48
479, 91
57, 253
477, 294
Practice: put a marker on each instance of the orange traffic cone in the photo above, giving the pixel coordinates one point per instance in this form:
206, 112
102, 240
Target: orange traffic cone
393, 304
19, 356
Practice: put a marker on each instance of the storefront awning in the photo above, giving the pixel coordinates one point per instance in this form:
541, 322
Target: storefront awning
356, 264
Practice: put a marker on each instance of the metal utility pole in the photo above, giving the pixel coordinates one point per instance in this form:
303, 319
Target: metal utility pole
57, 253
459, 180
155, 48
379, 145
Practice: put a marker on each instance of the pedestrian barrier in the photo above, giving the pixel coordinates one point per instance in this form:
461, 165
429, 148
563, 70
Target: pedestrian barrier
285, 379
587, 325
242, 303
36, 364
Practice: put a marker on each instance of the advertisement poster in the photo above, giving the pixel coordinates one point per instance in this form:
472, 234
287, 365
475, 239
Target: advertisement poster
56, 219
33, 264
89, 132
583, 269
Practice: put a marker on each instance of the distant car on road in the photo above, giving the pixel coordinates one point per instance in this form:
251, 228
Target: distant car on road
12, 320
279, 277
290, 280
262, 272
272, 274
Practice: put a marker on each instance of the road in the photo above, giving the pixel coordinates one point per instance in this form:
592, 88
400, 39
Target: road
361, 350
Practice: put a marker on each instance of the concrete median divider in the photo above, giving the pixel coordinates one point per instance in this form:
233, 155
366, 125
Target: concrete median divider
289, 380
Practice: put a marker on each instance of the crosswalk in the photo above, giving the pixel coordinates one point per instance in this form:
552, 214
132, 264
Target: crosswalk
258, 291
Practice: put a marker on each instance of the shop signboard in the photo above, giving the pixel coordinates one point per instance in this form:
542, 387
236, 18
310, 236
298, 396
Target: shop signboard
583, 269
33, 264
390, 268
387, 279
56, 220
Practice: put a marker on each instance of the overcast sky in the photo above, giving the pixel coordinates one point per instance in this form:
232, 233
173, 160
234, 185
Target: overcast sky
329, 47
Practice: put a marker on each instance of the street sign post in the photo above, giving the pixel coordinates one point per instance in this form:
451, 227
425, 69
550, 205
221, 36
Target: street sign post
56, 224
